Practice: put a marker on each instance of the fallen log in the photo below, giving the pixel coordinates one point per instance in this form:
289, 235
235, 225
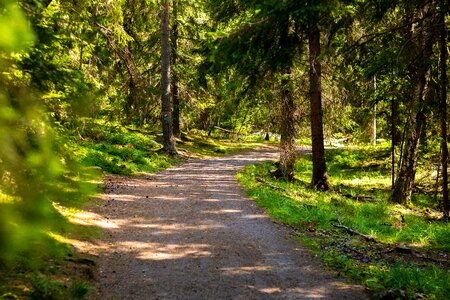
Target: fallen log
355, 232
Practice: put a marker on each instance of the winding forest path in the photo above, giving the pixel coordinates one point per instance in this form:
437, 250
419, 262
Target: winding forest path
190, 233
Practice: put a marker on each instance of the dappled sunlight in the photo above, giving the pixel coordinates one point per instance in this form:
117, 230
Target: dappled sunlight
269, 290
170, 251
119, 197
245, 270
255, 216
297, 293
162, 251
364, 181
174, 228
91, 219
170, 198
211, 200
308, 292
222, 211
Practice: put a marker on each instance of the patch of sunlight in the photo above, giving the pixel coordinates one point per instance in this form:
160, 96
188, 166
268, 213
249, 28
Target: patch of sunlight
67, 212
91, 219
422, 244
156, 251
270, 290
4, 198
255, 217
222, 211
123, 198
60, 238
365, 181
245, 270
162, 229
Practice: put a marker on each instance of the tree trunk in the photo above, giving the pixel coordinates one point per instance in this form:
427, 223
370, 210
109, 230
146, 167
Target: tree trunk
319, 177
287, 130
175, 90
404, 183
443, 108
394, 141
405, 179
374, 127
166, 111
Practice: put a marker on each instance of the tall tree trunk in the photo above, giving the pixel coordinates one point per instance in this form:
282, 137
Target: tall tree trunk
175, 78
166, 111
443, 107
404, 183
287, 139
319, 177
394, 138
405, 178
374, 127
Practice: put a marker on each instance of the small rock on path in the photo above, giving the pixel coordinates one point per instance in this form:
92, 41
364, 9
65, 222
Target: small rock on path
190, 233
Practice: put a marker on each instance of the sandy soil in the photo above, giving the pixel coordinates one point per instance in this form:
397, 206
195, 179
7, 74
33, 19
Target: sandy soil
190, 233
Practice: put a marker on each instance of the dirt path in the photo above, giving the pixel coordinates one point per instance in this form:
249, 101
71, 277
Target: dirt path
190, 233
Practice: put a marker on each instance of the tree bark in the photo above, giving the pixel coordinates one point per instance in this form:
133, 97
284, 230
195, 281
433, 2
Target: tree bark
374, 127
443, 107
319, 177
166, 111
394, 110
175, 78
287, 130
424, 39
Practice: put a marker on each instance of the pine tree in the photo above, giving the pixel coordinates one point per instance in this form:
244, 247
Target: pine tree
166, 109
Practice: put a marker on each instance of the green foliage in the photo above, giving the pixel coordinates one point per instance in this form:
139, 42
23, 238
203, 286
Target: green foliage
415, 280
357, 172
37, 172
118, 150
34, 169
79, 290
16, 33
44, 287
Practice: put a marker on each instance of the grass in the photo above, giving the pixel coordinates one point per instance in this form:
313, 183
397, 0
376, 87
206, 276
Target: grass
362, 171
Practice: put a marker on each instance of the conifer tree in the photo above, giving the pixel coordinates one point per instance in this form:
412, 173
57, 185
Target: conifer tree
166, 109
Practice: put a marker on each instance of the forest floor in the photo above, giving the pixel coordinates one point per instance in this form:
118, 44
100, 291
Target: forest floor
190, 232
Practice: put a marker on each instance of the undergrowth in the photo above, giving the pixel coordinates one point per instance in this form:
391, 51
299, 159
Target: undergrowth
126, 151
410, 256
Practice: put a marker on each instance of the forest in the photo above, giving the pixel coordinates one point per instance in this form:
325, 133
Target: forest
351, 94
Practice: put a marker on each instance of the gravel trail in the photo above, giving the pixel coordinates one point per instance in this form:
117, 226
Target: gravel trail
190, 233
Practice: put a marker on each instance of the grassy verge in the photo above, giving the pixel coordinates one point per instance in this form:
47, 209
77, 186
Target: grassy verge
409, 258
